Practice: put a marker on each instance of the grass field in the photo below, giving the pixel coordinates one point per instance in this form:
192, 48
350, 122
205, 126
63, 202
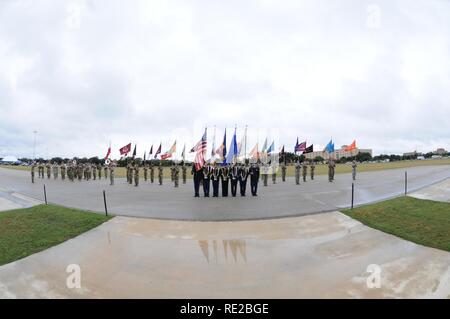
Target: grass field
320, 169
423, 222
27, 231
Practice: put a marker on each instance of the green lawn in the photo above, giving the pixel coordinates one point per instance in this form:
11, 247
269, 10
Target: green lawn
423, 222
27, 231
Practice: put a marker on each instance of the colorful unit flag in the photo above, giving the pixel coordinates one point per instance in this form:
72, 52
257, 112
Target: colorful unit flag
309, 149
264, 148
134, 152
254, 154
183, 153
330, 147
151, 151
222, 149
125, 150
271, 148
158, 151
170, 152
233, 152
108, 153
351, 147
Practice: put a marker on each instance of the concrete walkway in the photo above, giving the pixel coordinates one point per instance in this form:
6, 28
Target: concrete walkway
317, 256
12, 200
279, 200
438, 192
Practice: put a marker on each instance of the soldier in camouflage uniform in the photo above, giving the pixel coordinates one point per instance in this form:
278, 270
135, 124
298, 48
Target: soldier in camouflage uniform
105, 169
172, 172
298, 167
63, 171
183, 171
145, 172
70, 172
136, 174
160, 174
86, 171
130, 173
283, 172
312, 167
99, 169
176, 175
41, 170
152, 173
94, 171
80, 171
112, 167
265, 174
331, 167
274, 174
49, 169
304, 170
33, 169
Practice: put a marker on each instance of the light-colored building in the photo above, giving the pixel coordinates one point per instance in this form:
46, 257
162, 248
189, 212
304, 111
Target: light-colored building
440, 151
338, 154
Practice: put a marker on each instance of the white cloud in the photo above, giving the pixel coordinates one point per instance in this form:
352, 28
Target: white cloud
84, 72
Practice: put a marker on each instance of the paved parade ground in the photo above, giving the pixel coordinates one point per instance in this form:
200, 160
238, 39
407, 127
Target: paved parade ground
317, 256
279, 200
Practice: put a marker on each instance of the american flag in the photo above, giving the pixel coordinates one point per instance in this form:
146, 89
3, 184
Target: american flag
299, 147
200, 148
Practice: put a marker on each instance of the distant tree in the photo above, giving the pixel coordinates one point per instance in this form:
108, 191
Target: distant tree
363, 157
57, 160
319, 159
428, 155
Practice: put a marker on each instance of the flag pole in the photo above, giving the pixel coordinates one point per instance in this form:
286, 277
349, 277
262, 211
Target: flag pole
245, 144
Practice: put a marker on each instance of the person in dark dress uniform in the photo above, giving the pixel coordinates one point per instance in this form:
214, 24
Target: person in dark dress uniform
234, 174
243, 175
197, 176
206, 178
225, 175
254, 178
215, 178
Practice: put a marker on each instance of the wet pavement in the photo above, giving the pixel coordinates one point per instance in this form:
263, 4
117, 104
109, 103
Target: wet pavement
437, 192
279, 200
316, 256
12, 200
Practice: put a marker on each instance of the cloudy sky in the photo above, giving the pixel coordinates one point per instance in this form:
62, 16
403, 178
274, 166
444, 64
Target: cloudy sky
86, 72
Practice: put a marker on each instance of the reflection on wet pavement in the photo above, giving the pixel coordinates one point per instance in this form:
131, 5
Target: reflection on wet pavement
323, 256
220, 252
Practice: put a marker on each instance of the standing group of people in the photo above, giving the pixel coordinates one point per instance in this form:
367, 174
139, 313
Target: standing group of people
73, 171
227, 177
133, 173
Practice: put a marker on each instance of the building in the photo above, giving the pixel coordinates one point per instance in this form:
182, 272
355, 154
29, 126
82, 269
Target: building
10, 160
338, 154
440, 151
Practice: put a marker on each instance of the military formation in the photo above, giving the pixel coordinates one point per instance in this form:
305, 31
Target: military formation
73, 171
211, 177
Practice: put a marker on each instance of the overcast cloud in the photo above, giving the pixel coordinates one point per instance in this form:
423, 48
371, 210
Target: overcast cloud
86, 72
